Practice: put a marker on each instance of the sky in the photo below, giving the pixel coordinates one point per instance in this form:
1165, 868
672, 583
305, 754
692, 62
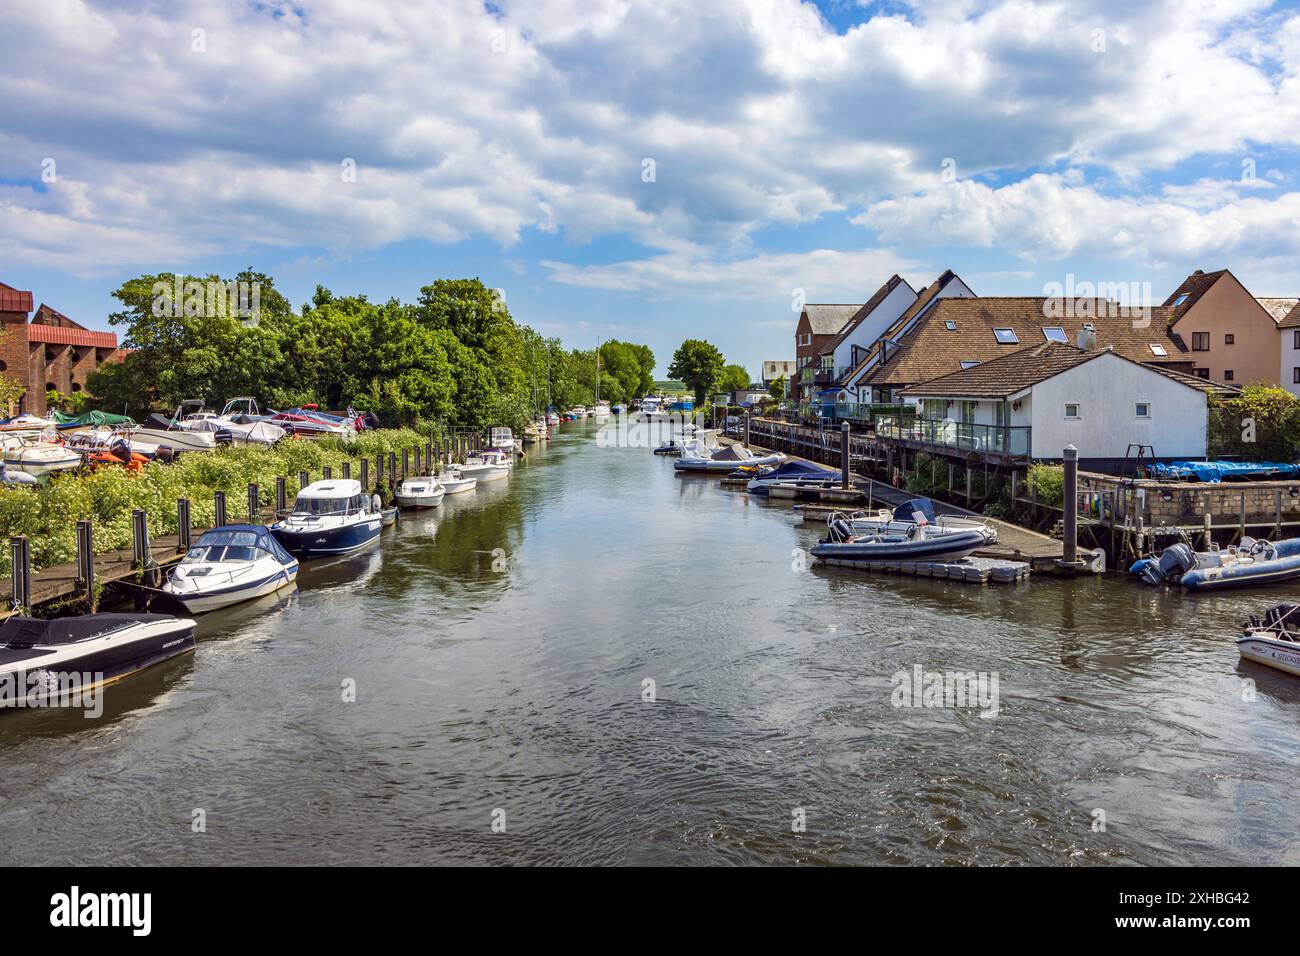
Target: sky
650, 170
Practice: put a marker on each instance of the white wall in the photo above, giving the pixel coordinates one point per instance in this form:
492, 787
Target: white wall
1290, 360
882, 317
1106, 391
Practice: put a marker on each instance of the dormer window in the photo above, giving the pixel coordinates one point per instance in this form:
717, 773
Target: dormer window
1006, 336
1054, 333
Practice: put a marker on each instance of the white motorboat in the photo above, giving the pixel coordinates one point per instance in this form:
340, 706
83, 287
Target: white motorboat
330, 517
695, 456
230, 564
424, 492
241, 432
910, 513
601, 409
485, 466
1274, 641
454, 482
36, 456
171, 432
502, 438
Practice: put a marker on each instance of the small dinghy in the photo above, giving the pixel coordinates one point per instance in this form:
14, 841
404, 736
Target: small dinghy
426, 492
1274, 641
388, 517
1251, 562
233, 563
329, 517
42, 662
919, 543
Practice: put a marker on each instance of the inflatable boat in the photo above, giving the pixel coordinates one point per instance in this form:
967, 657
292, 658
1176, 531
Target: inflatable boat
1249, 563
920, 542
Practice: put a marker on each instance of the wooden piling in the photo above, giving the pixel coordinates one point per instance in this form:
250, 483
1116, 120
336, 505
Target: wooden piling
281, 495
20, 579
219, 500
254, 503
365, 474
184, 524
347, 470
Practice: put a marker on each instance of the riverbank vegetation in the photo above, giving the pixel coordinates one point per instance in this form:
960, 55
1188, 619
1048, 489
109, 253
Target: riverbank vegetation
455, 357
48, 515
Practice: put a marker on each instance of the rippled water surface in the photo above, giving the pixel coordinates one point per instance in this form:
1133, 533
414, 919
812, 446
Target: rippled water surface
519, 690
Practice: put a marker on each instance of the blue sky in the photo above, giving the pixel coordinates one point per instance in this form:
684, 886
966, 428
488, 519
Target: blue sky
795, 147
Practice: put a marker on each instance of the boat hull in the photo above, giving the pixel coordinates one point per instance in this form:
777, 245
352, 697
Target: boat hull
947, 547
458, 486
1280, 655
201, 603
1243, 575
325, 542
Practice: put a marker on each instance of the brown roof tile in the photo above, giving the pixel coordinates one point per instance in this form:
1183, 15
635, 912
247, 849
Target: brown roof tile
931, 349
1194, 286
1291, 320
925, 298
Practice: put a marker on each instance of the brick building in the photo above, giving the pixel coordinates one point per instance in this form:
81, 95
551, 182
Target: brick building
49, 351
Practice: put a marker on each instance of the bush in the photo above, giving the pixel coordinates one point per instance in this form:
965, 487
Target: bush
1047, 484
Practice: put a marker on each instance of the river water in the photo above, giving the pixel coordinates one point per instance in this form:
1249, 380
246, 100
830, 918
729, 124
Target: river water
502, 650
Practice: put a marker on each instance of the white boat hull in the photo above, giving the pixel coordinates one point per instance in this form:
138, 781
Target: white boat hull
1280, 655
419, 493
200, 603
178, 440
458, 486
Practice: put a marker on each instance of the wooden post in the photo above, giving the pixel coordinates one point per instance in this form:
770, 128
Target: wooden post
844, 455
86, 562
219, 499
184, 525
20, 580
281, 495
1140, 549
1243, 517
406, 462
1070, 505
1206, 533
1015, 487
347, 470
1033, 503
968, 486
428, 455
392, 467
1277, 514
254, 503
140, 546
746, 429
326, 473
304, 480
379, 469
365, 475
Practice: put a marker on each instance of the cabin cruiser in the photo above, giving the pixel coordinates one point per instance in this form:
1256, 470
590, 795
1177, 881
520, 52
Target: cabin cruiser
487, 465
233, 563
695, 456
426, 492
37, 457
920, 542
334, 516
1249, 562
43, 662
1274, 641
454, 482
503, 438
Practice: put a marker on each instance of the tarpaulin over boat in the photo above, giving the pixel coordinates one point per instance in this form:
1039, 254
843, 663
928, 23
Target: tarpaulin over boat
1216, 471
89, 418
802, 469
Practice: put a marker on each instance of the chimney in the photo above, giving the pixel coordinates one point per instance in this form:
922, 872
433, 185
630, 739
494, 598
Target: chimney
1087, 338
1199, 272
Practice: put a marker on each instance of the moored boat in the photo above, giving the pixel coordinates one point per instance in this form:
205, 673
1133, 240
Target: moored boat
1274, 641
919, 543
1251, 562
454, 482
230, 564
329, 517
425, 492
37, 457
698, 458
801, 474
43, 662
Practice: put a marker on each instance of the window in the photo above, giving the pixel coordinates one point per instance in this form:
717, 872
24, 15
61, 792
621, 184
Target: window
1006, 336
1201, 372
805, 339
1200, 341
1228, 338
1181, 299
1054, 333
76, 387
1142, 410
1227, 375
1072, 411
950, 325
1295, 339
969, 364
1159, 350
1295, 375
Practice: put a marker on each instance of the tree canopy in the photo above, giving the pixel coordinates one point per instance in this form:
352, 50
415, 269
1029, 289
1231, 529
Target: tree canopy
698, 364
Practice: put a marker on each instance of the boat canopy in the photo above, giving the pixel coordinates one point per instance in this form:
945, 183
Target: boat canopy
245, 536
29, 631
89, 418
332, 488
908, 510
1216, 471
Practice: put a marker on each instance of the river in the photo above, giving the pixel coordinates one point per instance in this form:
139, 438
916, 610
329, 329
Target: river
615, 664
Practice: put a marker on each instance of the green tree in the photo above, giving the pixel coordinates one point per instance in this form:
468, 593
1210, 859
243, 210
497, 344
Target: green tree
777, 389
733, 378
699, 365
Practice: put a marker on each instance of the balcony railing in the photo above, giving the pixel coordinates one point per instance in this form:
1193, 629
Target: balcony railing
1011, 440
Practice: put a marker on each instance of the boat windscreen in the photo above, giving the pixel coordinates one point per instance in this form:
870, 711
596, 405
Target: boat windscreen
322, 506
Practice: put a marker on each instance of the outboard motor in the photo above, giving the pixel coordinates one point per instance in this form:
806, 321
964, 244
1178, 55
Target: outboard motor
838, 531
1177, 560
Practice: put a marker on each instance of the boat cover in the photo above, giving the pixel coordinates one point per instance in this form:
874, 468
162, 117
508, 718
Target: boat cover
734, 453
801, 469
156, 421
93, 418
1216, 471
28, 631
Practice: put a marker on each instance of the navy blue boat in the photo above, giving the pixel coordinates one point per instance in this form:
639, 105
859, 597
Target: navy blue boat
800, 473
329, 518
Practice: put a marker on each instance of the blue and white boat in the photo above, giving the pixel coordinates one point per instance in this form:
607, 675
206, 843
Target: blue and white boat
921, 542
1249, 563
799, 474
329, 517
233, 563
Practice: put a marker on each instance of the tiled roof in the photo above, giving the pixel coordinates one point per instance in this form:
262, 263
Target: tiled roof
1016, 371
61, 335
892, 283
924, 299
828, 319
1279, 308
931, 349
14, 300
1292, 319
1194, 286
